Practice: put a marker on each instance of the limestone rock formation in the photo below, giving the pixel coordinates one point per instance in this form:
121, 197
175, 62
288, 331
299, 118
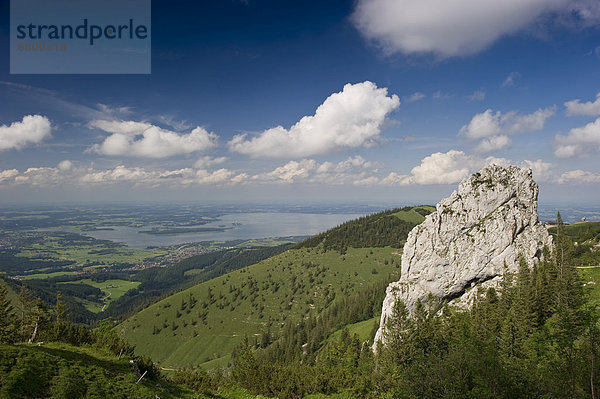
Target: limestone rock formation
470, 239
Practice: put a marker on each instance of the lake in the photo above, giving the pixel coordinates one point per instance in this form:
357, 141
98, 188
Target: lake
239, 226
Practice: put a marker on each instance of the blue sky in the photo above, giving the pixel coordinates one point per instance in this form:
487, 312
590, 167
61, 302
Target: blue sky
373, 101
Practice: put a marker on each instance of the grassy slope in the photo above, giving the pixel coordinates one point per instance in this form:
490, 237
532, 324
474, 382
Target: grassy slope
412, 215
230, 316
581, 231
12, 295
363, 329
59, 370
112, 290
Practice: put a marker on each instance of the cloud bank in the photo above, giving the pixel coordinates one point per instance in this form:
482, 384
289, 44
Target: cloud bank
347, 119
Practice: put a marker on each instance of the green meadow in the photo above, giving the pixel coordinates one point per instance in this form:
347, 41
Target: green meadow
201, 325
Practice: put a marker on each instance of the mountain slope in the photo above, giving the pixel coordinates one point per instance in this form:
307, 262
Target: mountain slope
205, 322
59, 370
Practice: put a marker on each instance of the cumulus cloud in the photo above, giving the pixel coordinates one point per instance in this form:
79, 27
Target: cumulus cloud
65, 165
216, 177
347, 119
580, 141
589, 108
206, 161
119, 173
351, 171
141, 139
31, 130
451, 28
7, 175
494, 143
494, 127
579, 177
77, 175
453, 166
440, 168
488, 123
148, 177
40, 177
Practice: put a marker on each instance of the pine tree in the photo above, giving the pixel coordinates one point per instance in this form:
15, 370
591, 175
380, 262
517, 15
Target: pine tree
60, 309
25, 314
245, 367
7, 317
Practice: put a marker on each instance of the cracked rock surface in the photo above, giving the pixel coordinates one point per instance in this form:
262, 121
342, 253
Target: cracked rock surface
489, 223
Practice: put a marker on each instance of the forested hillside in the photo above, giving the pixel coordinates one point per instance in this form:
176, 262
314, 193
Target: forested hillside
388, 228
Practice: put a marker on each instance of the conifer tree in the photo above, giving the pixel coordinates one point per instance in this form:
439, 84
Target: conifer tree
60, 309
7, 317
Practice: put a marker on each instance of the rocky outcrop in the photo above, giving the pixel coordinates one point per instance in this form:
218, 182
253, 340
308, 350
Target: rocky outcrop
469, 241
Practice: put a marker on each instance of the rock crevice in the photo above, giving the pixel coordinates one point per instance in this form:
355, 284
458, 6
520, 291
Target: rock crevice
470, 239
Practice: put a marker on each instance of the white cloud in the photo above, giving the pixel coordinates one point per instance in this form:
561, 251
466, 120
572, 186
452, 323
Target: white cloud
118, 174
351, 171
453, 166
114, 110
206, 161
31, 130
488, 123
293, 170
394, 179
495, 127
347, 119
510, 79
40, 177
579, 177
494, 143
415, 97
478, 95
65, 165
589, 108
441, 168
451, 28
8, 174
542, 171
219, 176
580, 141
141, 139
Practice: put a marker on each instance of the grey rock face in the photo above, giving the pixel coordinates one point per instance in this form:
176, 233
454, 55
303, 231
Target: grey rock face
489, 223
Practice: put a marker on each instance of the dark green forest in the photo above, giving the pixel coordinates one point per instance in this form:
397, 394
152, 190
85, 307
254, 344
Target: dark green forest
382, 229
